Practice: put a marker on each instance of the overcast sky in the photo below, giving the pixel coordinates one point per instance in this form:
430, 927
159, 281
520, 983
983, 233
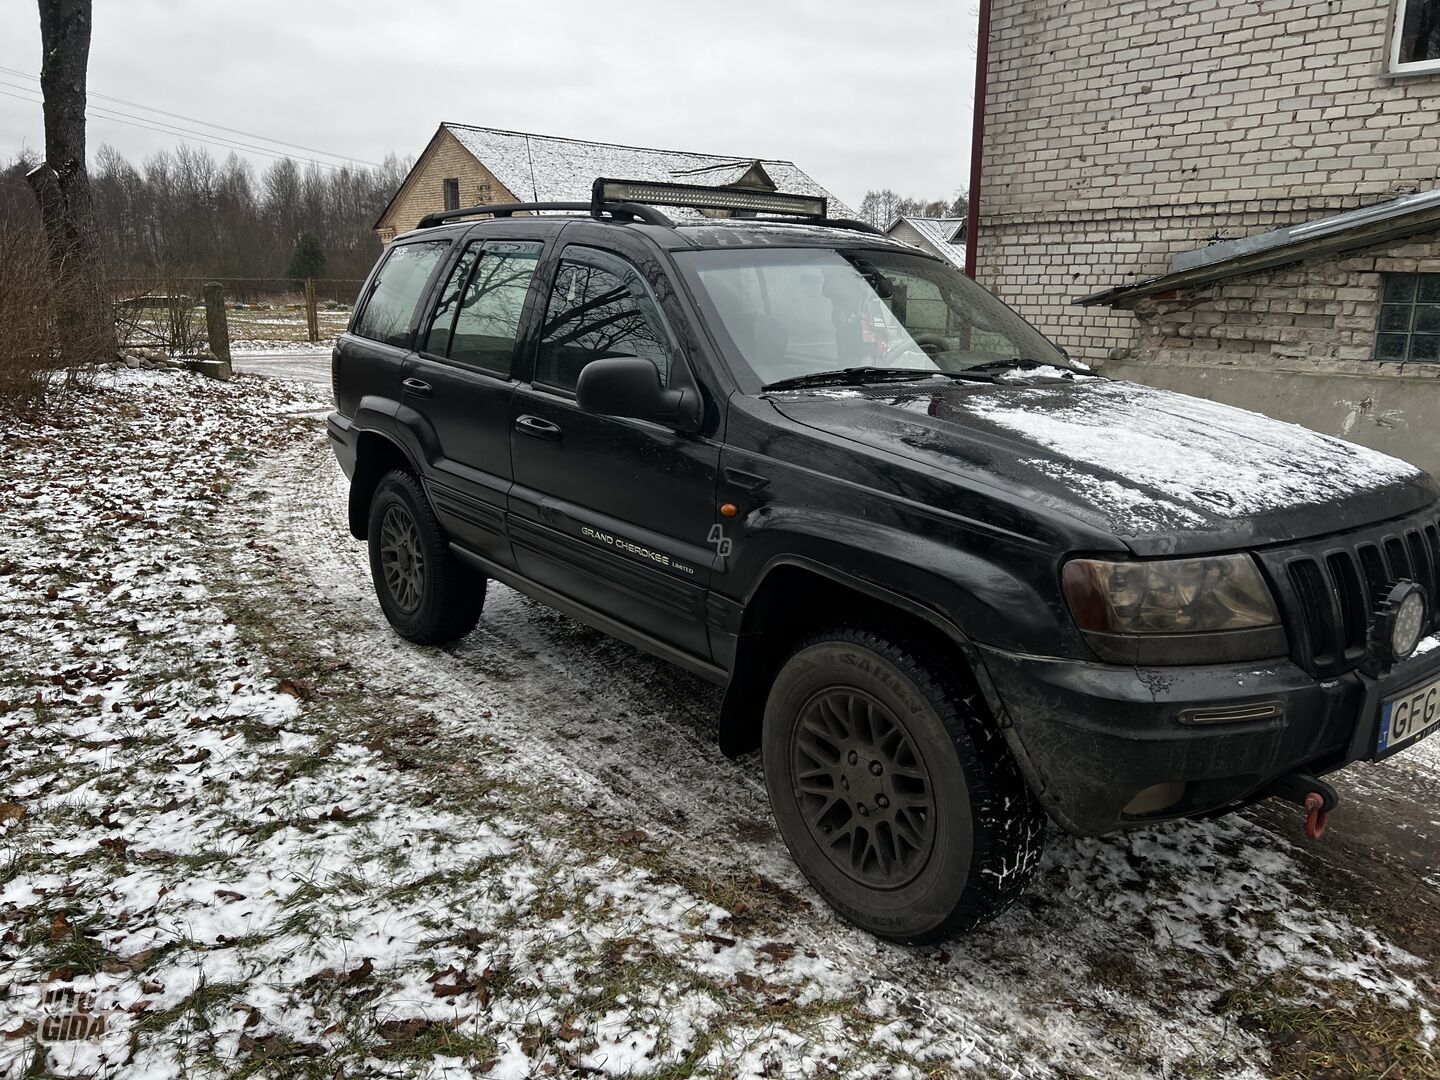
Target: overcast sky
859, 95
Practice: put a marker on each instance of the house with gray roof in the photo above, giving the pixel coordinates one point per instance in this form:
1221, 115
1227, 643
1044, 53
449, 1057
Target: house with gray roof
465, 165
942, 237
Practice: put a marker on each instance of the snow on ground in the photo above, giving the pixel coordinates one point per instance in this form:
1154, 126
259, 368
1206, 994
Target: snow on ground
255, 831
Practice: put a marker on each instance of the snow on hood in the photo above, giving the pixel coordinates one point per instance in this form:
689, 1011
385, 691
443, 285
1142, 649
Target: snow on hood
1228, 461
1164, 471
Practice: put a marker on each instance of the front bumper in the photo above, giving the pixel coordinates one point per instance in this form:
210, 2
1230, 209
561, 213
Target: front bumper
1093, 737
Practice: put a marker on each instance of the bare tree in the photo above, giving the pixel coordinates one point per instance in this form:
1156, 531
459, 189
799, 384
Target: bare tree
84, 325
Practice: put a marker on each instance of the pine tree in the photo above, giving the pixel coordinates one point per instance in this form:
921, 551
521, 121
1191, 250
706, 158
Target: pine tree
308, 260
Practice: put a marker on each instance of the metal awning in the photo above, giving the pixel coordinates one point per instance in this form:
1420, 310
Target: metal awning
1367, 226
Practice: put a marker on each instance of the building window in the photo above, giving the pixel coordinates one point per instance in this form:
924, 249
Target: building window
1417, 36
452, 194
1409, 318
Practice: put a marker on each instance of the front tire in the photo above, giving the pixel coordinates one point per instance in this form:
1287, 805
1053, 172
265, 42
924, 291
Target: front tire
899, 801
428, 596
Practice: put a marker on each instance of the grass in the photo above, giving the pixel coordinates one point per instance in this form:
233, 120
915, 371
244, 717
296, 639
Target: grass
1332, 1030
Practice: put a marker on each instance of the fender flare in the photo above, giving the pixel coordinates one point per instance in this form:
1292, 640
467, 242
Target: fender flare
743, 706
382, 419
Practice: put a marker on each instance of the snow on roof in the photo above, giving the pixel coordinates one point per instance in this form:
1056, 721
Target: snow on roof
938, 234
549, 169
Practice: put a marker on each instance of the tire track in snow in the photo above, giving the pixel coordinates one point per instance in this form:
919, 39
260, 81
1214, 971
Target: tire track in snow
634, 737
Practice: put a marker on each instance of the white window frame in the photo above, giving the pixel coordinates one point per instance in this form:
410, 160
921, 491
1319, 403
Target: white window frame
1420, 67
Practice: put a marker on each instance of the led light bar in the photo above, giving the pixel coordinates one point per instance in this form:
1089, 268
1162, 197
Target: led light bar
700, 197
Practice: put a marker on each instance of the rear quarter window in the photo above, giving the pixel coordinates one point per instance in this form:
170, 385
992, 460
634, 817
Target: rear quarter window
389, 310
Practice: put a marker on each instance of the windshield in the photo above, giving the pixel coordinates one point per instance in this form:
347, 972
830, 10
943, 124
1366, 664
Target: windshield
791, 312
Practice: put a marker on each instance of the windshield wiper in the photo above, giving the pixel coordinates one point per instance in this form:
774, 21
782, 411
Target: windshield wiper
852, 376
1024, 363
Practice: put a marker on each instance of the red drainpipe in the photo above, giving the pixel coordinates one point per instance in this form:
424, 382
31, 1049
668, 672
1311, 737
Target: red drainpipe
977, 139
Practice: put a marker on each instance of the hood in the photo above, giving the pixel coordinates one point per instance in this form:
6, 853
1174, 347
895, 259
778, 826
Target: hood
1160, 470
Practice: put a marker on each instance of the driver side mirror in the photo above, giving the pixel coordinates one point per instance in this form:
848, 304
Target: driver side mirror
630, 386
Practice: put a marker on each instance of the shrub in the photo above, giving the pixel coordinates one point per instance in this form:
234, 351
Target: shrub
31, 361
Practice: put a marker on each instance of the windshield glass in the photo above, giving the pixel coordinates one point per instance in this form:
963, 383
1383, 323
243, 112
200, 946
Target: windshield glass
790, 312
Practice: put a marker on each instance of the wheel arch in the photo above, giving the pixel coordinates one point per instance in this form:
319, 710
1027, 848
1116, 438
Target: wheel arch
376, 453
794, 595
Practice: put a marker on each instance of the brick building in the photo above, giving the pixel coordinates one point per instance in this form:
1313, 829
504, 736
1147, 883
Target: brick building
469, 166
1136, 155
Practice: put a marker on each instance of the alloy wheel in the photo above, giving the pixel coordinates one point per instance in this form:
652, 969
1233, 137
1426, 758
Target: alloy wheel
402, 559
863, 791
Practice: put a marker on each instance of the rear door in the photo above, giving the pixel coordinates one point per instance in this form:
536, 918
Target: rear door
461, 381
369, 359
613, 513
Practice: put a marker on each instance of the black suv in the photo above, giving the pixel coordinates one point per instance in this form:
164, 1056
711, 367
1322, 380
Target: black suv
952, 581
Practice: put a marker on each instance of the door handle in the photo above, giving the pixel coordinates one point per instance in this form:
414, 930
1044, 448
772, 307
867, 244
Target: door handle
418, 387
538, 429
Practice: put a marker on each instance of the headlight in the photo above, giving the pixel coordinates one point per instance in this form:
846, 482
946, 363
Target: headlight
1174, 611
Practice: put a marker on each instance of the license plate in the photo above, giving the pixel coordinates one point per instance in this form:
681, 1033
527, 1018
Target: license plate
1409, 717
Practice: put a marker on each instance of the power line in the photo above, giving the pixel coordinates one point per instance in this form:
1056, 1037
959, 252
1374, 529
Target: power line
107, 113
203, 123
208, 140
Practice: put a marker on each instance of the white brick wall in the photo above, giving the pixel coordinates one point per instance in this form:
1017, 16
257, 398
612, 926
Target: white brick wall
1119, 132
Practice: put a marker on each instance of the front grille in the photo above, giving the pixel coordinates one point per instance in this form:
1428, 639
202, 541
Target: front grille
1329, 589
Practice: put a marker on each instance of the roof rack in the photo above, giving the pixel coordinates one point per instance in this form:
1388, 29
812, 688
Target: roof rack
635, 200
620, 211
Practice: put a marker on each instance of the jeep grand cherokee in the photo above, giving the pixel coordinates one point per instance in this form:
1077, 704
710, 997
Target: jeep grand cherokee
952, 581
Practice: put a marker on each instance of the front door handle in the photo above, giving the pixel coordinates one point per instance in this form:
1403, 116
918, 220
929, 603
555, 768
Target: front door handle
537, 428
418, 387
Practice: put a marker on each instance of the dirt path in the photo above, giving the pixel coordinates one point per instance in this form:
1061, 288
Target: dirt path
1190, 949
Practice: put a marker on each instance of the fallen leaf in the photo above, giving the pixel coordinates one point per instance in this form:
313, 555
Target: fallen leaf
778, 951
300, 689
228, 894
11, 811
59, 927
27, 1027
632, 836
338, 814
138, 961
359, 974
720, 941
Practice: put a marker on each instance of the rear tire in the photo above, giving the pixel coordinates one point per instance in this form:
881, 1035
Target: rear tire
427, 595
897, 797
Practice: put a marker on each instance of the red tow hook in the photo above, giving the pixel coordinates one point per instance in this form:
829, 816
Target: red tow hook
1314, 795
1316, 816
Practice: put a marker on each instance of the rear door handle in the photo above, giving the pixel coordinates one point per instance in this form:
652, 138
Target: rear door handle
418, 387
537, 428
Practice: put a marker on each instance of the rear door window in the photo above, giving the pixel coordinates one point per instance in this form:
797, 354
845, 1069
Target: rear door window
396, 292
477, 317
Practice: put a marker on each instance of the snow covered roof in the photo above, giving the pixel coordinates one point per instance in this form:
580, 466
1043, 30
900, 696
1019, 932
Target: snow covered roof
550, 169
938, 236
1396, 218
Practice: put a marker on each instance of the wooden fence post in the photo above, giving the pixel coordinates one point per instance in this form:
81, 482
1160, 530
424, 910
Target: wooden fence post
215, 324
312, 313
